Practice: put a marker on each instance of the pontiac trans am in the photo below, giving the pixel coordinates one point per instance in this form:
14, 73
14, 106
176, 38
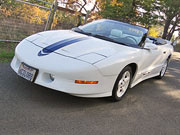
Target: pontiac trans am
100, 59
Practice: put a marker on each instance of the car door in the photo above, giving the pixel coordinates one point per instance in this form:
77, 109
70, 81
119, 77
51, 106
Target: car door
150, 60
164, 53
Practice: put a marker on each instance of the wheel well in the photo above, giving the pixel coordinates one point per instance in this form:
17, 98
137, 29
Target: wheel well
169, 57
133, 67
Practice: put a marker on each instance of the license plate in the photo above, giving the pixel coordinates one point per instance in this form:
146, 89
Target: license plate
27, 72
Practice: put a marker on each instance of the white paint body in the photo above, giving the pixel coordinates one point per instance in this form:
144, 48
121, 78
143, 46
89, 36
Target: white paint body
93, 59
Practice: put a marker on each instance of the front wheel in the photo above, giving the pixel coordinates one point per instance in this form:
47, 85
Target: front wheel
122, 83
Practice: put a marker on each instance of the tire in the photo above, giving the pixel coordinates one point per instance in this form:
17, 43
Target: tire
122, 83
163, 70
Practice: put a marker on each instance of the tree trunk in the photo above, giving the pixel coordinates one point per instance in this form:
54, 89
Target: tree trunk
51, 15
87, 16
173, 29
166, 27
79, 20
170, 35
171, 32
79, 16
88, 13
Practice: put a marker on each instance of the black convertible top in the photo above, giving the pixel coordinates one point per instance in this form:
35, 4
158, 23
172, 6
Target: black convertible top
157, 41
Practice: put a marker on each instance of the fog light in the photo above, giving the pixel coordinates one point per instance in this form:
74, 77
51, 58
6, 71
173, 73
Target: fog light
86, 82
51, 77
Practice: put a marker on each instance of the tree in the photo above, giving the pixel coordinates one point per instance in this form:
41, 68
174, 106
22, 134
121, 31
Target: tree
79, 6
7, 6
131, 11
145, 12
119, 10
169, 14
155, 31
19, 11
51, 15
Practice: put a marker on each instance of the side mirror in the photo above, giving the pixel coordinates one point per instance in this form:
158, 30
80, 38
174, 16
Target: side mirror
150, 46
174, 43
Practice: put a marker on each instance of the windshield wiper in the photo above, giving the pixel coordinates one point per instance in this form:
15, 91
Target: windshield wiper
76, 29
107, 39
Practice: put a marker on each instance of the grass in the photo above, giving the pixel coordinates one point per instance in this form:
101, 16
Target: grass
6, 56
6, 51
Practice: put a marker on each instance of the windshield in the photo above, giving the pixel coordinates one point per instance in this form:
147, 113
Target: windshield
116, 31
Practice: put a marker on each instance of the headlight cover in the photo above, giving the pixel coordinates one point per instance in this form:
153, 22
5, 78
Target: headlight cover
92, 57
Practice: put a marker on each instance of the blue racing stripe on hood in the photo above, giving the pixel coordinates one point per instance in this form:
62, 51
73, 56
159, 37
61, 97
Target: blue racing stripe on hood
60, 44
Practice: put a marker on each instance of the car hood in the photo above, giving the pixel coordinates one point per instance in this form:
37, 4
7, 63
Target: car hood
76, 45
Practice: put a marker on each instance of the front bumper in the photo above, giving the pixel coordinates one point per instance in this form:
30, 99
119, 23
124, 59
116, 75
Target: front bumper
65, 71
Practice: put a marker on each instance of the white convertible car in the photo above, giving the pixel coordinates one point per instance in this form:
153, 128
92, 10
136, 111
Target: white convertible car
100, 59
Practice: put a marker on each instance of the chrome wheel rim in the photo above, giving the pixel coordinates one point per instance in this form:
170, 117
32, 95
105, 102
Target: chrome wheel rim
164, 69
123, 84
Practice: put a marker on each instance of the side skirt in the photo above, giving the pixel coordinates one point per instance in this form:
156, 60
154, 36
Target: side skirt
140, 80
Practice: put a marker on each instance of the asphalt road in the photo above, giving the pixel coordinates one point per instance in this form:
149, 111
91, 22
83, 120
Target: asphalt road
150, 108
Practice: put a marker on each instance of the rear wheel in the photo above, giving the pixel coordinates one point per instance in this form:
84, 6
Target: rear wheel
163, 70
122, 83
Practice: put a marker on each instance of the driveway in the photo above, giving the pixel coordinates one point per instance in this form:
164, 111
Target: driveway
150, 108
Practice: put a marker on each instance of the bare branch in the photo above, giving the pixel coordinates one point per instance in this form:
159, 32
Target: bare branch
178, 29
85, 2
95, 4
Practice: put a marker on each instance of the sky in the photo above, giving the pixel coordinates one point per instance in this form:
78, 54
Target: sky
176, 33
